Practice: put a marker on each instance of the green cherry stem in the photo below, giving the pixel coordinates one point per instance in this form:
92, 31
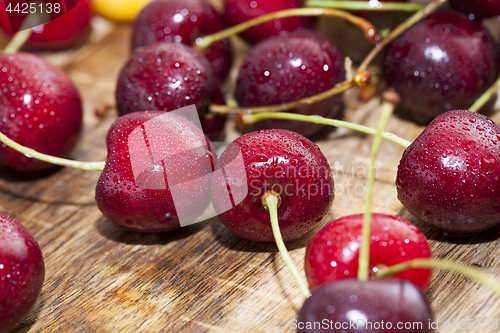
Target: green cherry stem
203, 43
364, 257
96, 166
488, 94
365, 5
271, 201
224, 109
418, 16
22, 36
248, 119
470, 272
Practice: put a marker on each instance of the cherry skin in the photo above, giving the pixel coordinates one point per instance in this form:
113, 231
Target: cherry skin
62, 32
22, 272
291, 67
165, 76
449, 177
141, 199
351, 305
333, 253
40, 108
183, 21
434, 67
478, 8
274, 160
213, 124
239, 11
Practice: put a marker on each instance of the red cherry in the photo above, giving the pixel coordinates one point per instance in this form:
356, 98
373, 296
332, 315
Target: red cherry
62, 32
479, 9
434, 67
165, 76
449, 177
288, 68
239, 11
22, 272
134, 190
350, 305
183, 21
278, 160
333, 253
40, 108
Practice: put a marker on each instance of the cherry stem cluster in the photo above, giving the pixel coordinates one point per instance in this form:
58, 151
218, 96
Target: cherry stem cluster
470, 272
248, 119
96, 166
271, 201
485, 97
364, 256
365, 5
203, 43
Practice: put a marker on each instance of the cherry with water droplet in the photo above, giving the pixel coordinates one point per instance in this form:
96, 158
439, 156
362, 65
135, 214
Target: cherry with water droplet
183, 21
149, 153
288, 68
274, 160
333, 253
22, 272
479, 9
40, 108
442, 63
449, 177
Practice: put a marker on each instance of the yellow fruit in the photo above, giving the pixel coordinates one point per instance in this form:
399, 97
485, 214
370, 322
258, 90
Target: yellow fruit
119, 11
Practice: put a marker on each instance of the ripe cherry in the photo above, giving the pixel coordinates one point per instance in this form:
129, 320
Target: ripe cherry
62, 32
165, 76
40, 109
479, 9
183, 21
22, 272
239, 11
434, 67
149, 152
274, 160
449, 177
291, 67
333, 253
350, 305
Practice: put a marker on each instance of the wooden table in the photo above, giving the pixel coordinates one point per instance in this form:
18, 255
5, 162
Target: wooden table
202, 278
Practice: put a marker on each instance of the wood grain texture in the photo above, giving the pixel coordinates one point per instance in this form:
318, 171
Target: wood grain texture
201, 278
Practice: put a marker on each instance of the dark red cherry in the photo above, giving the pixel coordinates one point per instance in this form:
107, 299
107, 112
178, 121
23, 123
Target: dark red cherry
183, 21
350, 305
291, 67
62, 32
333, 253
272, 160
165, 76
449, 177
152, 157
40, 108
442, 63
239, 11
22, 272
479, 9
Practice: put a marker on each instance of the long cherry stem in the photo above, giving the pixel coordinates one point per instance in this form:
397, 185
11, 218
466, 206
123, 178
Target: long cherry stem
340, 87
96, 166
365, 5
364, 256
248, 119
429, 9
488, 94
271, 200
470, 272
203, 43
